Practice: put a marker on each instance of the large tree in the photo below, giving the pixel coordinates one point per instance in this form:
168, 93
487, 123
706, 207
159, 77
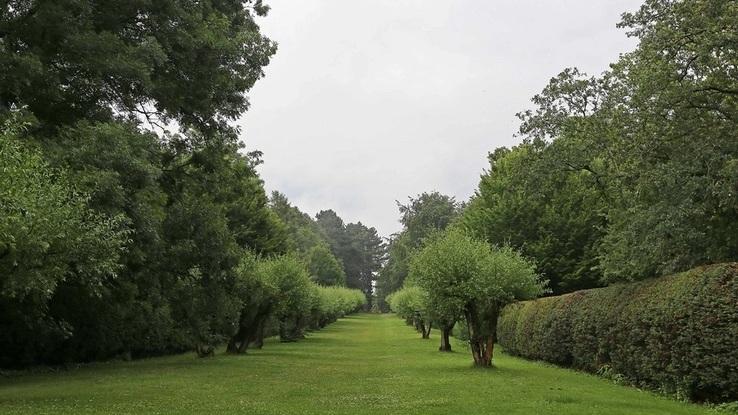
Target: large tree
358, 247
630, 174
191, 62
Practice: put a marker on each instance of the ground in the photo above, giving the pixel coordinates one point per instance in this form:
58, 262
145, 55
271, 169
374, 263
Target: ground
363, 364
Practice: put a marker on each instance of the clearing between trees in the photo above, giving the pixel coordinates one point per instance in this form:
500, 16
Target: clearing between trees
362, 364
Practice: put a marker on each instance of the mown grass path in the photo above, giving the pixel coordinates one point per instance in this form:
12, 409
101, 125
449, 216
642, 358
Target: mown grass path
364, 364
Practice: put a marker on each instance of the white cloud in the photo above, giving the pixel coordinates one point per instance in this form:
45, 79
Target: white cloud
367, 102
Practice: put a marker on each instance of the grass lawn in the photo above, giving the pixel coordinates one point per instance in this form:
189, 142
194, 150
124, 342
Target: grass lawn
364, 364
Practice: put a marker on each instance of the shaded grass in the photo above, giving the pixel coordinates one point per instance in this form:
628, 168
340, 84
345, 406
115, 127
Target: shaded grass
364, 364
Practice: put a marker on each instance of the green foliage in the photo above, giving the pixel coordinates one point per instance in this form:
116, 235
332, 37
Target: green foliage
49, 239
303, 233
83, 177
336, 302
358, 247
305, 236
411, 303
466, 277
421, 217
166, 60
674, 334
532, 200
47, 232
91, 76
632, 174
280, 288
294, 293
324, 268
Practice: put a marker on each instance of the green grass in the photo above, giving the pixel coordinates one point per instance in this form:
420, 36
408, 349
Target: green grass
364, 364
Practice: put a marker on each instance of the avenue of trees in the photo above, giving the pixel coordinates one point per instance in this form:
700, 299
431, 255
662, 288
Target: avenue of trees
455, 277
132, 221
621, 177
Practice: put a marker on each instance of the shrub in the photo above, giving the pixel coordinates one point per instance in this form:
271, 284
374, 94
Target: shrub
674, 334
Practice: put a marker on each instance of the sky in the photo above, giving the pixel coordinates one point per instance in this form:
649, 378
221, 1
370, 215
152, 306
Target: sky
369, 102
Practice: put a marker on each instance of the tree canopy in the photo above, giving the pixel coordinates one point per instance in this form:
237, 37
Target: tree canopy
465, 277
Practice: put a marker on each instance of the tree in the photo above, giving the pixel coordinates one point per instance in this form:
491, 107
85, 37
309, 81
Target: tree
421, 217
259, 294
93, 77
466, 277
364, 257
334, 302
536, 199
294, 291
324, 268
411, 303
49, 238
303, 233
358, 248
427, 213
71, 60
654, 133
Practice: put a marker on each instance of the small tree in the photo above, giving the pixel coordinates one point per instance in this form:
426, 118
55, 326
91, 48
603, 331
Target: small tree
411, 303
467, 278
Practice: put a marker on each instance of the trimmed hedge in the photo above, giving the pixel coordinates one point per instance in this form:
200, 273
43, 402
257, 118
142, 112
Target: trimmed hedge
676, 334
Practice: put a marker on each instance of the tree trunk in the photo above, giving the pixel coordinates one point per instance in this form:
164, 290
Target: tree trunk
482, 342
445, 337
427, 330
477, 341
258, 340
232, 347
204, 351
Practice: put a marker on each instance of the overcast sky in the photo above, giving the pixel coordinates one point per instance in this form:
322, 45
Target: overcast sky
368, 102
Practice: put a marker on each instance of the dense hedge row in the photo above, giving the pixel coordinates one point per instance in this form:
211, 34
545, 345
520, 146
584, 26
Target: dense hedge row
677, 334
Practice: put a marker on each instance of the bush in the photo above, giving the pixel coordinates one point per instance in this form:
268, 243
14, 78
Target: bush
674, 334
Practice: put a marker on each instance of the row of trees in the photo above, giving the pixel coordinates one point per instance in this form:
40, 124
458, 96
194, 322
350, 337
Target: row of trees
455, 277
337, 253
278, 297
131, 220
621, 177
633, 173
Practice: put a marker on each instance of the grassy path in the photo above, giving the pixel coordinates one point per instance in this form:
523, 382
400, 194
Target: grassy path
365, 364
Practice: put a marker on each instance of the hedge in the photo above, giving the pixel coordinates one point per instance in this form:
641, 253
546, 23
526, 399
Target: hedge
676, 334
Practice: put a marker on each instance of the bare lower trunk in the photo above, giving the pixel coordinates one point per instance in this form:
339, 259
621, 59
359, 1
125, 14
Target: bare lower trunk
426, 330
445, 338
258, 340
482, 342
232, 347
250, 326
204, 351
